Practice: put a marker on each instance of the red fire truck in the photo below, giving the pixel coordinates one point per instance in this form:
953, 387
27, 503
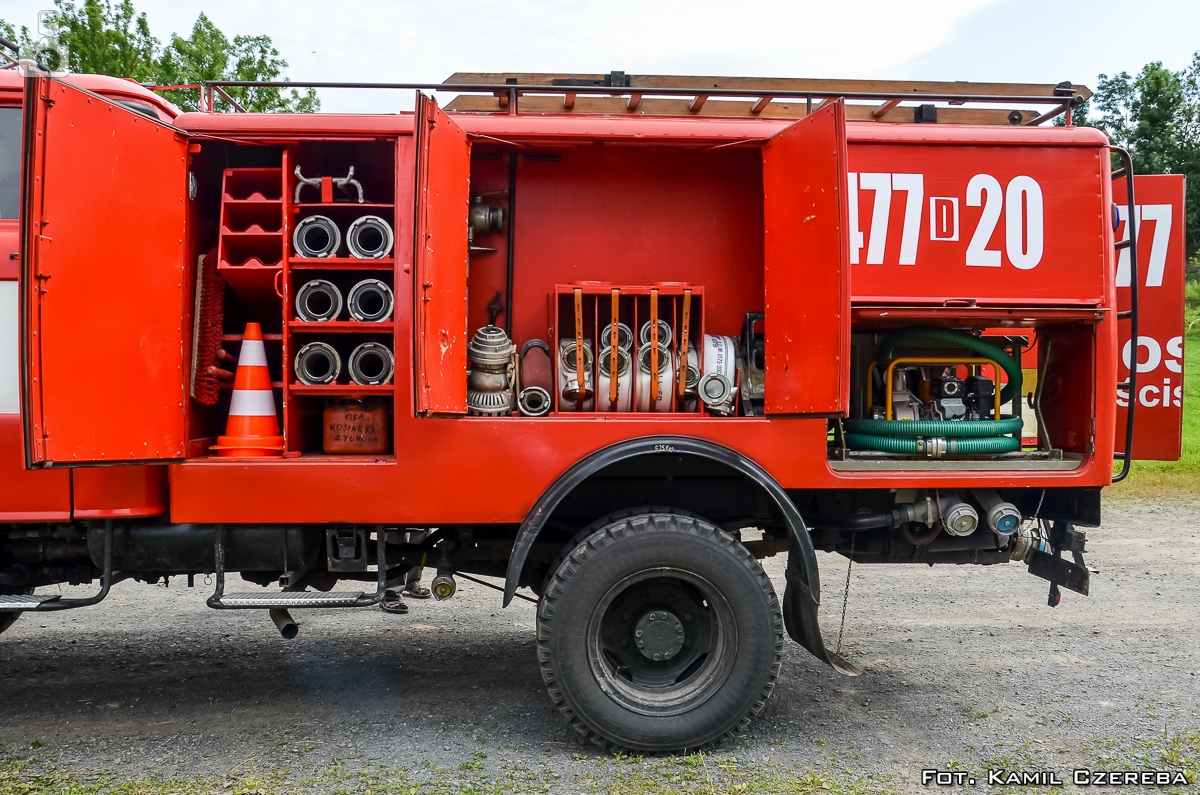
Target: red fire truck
609, 338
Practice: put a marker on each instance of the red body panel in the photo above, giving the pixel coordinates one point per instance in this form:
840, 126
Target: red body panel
806, 271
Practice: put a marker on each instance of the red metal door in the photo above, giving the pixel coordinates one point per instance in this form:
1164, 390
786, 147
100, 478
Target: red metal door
443, 193
807, 273
1158, 429
103, 217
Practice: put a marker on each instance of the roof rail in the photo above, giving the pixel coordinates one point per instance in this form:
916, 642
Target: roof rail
708, 96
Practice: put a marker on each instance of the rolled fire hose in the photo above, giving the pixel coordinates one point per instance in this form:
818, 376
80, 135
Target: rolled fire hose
624, 379
317, 363
316, 237
937, 437
370, 364
664, 334
666, 377
370, 301
624, 337
568, 384
719, 373
369, 237
318, 301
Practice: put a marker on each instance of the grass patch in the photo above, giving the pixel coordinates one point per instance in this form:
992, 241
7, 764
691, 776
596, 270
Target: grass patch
1174, 479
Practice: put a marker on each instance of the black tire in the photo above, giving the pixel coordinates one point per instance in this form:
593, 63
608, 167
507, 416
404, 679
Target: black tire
704, 606
7, 619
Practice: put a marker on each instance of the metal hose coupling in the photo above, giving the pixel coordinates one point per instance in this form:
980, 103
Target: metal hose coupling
318, 301
370, 301
1003, 517
958, 518
369, 237
533, 402
371, 364
317, 363
317, 237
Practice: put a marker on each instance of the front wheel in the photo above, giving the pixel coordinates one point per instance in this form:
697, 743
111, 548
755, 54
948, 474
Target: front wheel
659, 632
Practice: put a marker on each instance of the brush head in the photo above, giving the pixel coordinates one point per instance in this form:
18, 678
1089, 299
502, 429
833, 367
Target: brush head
209, 318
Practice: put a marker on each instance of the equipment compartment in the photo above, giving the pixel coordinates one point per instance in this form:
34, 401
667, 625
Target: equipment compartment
250, 202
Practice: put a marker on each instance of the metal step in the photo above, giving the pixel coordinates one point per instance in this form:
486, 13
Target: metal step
24, 601
288, 599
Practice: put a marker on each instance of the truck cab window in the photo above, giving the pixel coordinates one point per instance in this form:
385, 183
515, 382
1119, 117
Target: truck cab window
10, 161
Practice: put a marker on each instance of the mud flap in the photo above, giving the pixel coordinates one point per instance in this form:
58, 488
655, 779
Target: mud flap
800, 606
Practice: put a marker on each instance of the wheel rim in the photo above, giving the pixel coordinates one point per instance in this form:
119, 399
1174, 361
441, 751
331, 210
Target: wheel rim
683, 620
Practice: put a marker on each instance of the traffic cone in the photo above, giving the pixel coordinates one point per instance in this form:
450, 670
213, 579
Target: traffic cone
253, 429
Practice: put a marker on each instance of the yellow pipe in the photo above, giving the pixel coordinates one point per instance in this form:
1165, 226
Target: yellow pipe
927, 360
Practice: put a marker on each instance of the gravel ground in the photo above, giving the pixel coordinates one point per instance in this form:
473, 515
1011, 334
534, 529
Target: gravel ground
965, 667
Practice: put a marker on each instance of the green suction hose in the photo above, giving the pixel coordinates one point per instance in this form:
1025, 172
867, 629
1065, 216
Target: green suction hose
962, 437
892, 444
975, 428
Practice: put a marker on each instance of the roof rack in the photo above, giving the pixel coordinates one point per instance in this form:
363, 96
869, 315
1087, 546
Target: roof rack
659, 95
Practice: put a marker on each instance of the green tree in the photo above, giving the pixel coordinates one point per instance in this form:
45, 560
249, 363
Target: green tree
208, 54
115, 39
1156, 116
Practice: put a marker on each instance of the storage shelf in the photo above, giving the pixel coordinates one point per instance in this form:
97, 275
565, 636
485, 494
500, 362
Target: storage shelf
332, 390
364, 206
342, 264
238, 337
341, 327
254, 230
256, 200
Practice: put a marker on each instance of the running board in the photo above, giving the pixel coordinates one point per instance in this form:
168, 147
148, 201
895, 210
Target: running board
47, 603
283, 600
24, 602
290, 599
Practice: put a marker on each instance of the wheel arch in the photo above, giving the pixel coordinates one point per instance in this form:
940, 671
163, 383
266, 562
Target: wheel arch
802, 597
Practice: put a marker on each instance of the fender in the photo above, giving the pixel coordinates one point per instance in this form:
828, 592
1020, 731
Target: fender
803, 594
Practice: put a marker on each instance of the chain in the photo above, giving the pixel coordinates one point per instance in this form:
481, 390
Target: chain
846, 594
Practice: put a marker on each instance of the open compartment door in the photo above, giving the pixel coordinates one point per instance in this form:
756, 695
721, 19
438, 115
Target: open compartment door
443, 195
103, 238
807, 271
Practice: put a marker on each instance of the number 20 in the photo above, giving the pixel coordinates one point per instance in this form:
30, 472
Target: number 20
1023, 241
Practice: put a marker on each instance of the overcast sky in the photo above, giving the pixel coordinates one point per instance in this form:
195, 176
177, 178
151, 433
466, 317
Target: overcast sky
994, 40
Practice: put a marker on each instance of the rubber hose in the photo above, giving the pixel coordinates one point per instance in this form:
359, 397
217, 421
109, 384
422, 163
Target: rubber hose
950, 428
962, 339
892, 444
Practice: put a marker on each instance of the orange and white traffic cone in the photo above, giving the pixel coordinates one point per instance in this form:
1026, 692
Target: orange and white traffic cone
253, 429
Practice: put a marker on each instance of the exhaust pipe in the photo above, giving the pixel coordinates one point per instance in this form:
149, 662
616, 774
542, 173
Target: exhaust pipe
284, 623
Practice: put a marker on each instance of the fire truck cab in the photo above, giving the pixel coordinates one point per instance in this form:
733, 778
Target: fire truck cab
610, 339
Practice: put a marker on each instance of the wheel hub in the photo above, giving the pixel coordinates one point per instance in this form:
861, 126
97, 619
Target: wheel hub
659, 635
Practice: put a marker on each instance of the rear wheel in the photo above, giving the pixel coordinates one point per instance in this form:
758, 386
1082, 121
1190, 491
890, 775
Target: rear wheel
659, 632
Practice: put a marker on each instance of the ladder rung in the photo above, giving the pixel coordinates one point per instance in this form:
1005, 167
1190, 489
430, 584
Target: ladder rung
1120, 172
1121, 244
1123, 385
291, 599
1128, 313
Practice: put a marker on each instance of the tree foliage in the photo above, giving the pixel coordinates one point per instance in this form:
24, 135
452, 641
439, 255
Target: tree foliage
109, 38
1156, 116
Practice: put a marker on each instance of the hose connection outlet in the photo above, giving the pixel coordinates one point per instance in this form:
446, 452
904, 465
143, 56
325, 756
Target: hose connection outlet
317, 363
